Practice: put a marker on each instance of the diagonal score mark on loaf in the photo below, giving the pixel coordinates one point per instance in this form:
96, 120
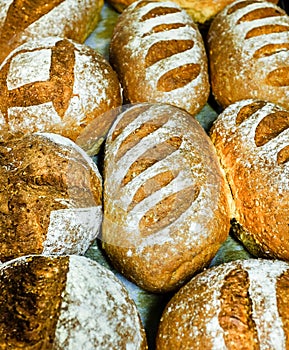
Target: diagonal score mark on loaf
168, 38
235, 316
29, 288
269, 128
58, 89
24, 13
159, 191
267, 36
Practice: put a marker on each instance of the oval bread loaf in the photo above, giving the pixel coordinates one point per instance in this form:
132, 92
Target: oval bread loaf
249, 53
166, 205
66, 303
237, 305
22, 20
252, 141
50, 197
159, 55
56, 85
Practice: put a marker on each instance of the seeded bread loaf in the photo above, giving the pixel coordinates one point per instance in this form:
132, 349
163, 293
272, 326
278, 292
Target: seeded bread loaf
166, 202
22, 20
65, 303
252, 141
56, 85
237, 305
249, 52
159, 55
50, 197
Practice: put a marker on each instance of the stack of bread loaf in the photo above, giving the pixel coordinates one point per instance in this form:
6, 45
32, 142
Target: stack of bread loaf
112, 191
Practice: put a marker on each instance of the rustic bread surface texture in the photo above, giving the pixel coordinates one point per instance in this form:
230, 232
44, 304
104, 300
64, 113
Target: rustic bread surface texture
237, 305
166, 205
23, 20
56, 85
159, 55
50, 195
248, 52
67, 302
252, 141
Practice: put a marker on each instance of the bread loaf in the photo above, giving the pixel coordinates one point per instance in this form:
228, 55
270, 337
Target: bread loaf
249, 52
237, 305
22, 20
50, 197
251, 139
200, 11
56, 85
166, 205
159, 55
65, 303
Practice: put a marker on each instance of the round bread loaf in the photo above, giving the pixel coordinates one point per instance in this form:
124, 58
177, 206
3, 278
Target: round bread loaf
159, 55
66, 303
166, 202
22, 20
249, 53
56, 85
237, 305
50, 197
252, 141
200, 11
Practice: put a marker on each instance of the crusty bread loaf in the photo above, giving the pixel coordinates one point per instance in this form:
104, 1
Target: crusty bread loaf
50, 197
249, 53
237, 305
201, 11
159, 55
166, 203
22, 20
251, 139
56, 85
65, 303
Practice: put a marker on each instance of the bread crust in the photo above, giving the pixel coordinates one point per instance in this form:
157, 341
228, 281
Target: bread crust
23, 20
159, 55
251, 139
238, 305
166, 202
248, 52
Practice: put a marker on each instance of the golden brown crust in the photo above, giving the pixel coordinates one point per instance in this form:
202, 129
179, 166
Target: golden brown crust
234, 306
251, 139
24, 20
248, 51
164, 60
57, 85
40, 178
164, 193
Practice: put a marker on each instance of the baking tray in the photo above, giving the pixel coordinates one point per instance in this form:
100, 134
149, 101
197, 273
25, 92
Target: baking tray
151, 305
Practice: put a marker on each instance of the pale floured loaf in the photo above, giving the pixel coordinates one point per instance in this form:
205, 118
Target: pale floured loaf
22, 20
56, 85
50, 197
66, 303
159, 55
237, 305
166, 202
252, 141
249, 52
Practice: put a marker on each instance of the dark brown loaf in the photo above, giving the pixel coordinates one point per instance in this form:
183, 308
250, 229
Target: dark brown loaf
249, 53
56, 85
166, 205
237, 305
251, 139
159, 56
50, 197
22, 20
67, 302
